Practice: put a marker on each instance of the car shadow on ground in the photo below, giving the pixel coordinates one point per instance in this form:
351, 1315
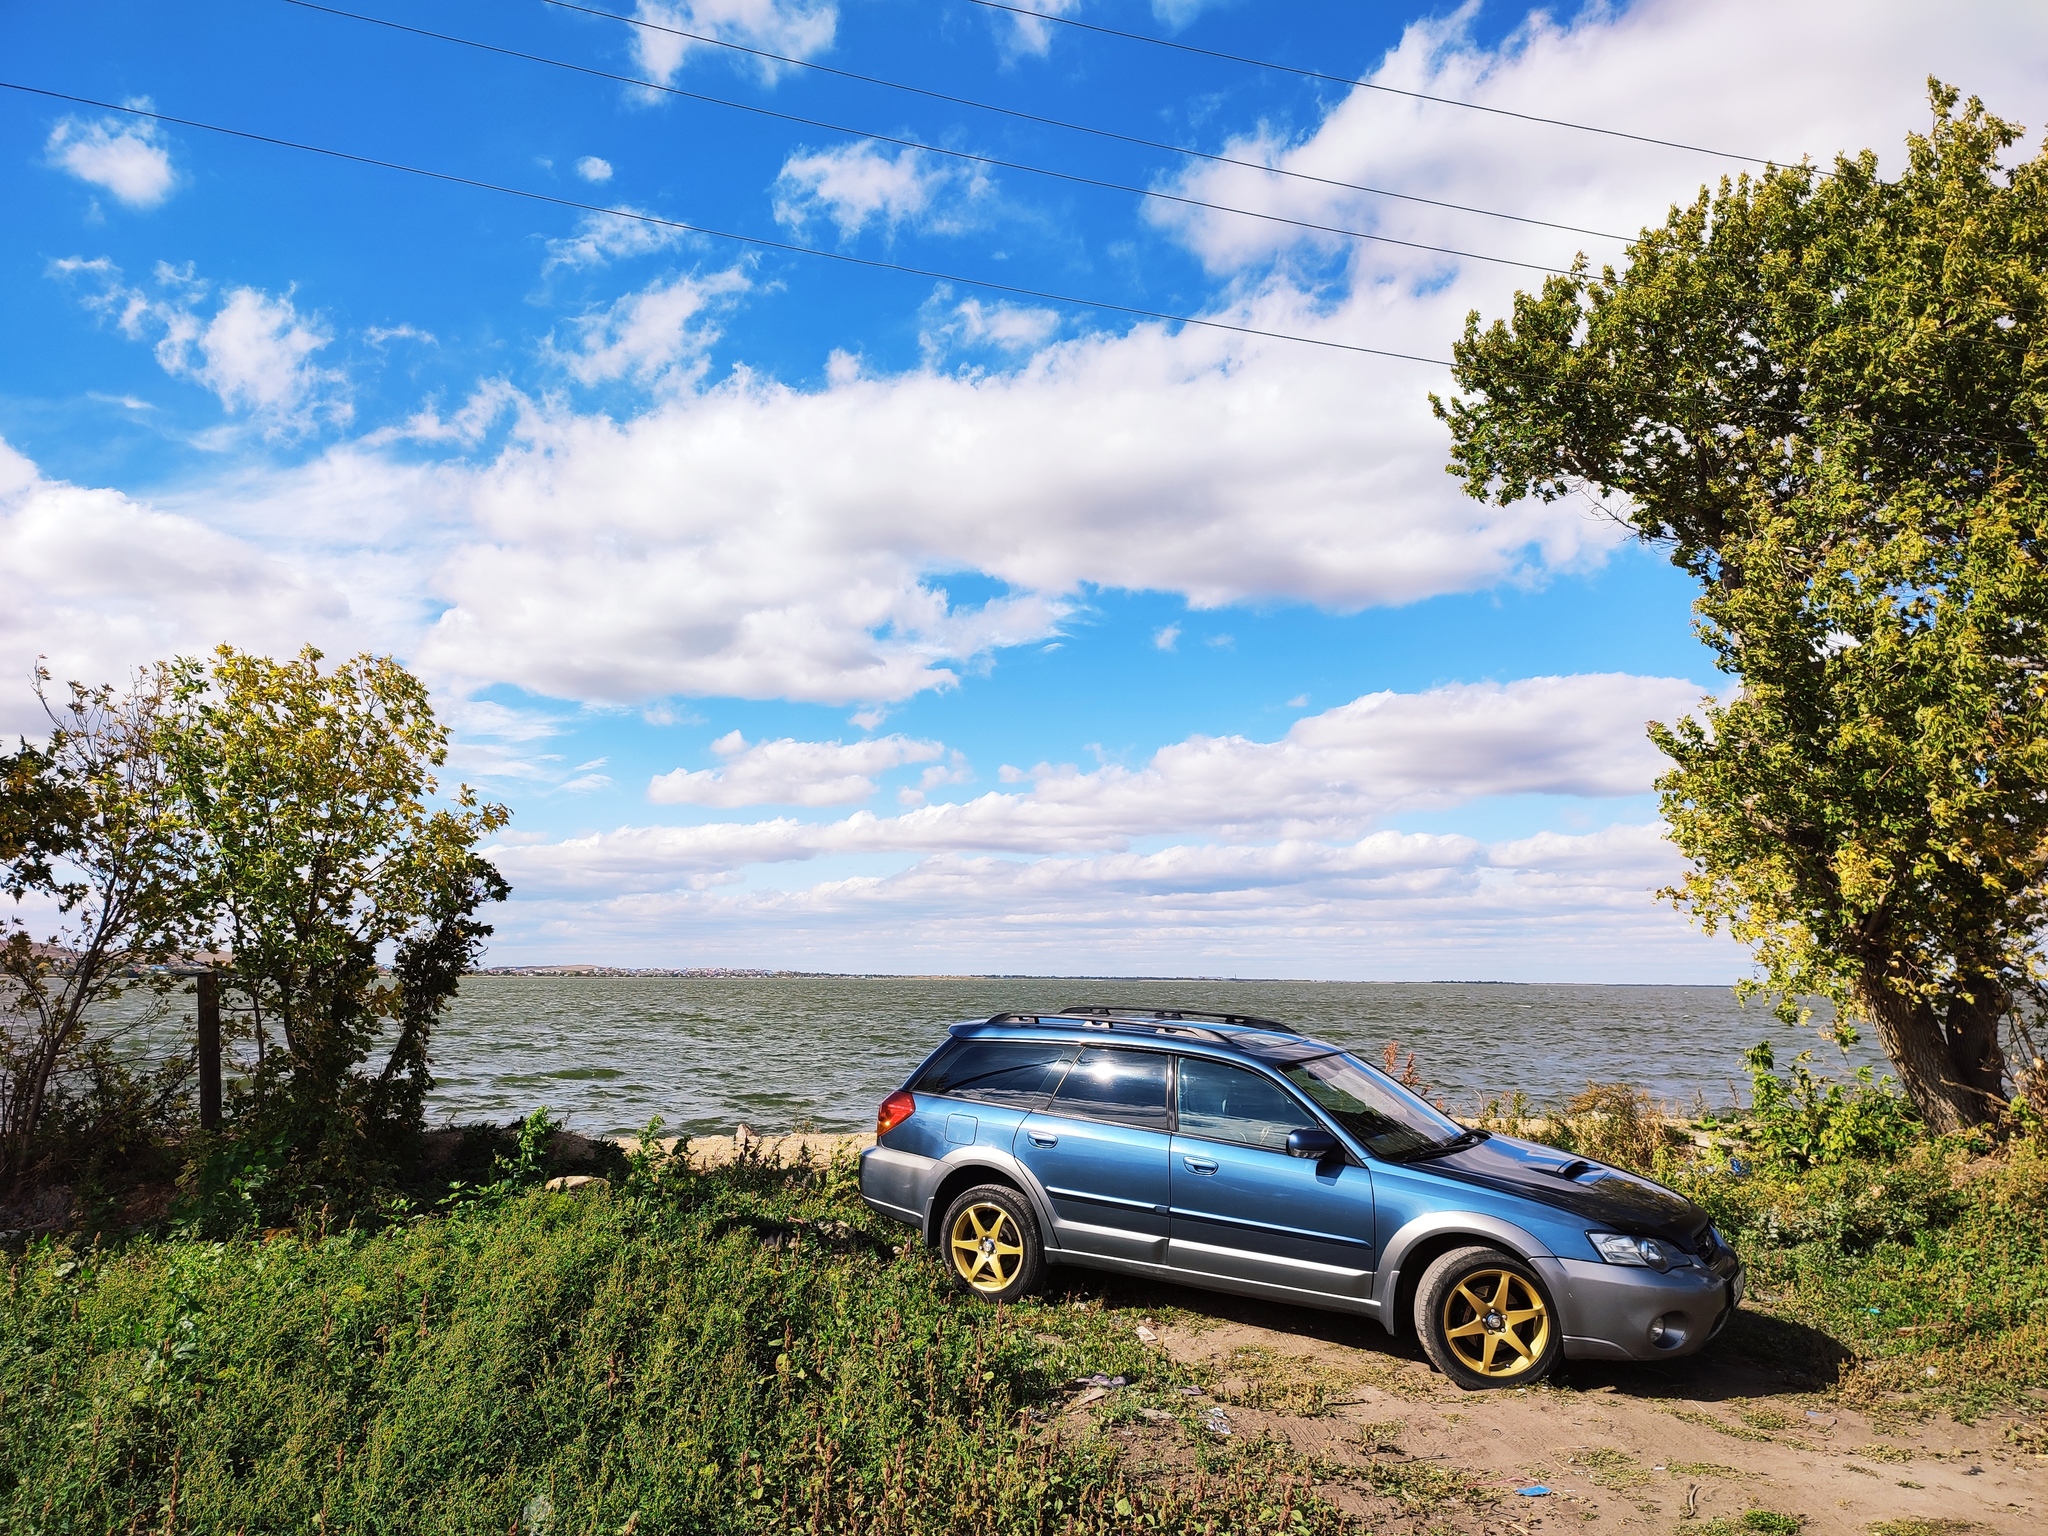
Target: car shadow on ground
1756, 1355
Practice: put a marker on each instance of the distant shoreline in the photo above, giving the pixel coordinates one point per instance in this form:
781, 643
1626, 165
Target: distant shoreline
743, 973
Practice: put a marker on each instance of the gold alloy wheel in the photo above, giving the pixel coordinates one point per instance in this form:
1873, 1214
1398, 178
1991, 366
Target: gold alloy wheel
987, 1247
1496, 1323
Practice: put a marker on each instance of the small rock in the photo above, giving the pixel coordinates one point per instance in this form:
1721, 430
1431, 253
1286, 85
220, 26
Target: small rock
1146, 1335
1092, 1395
1155, 1415
569, 1181
1190, 1391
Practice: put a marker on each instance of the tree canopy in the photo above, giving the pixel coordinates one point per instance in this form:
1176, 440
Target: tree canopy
272, 819
1824, 394
316, 855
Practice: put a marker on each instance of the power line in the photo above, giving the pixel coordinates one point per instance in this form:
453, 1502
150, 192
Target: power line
919, 144
1072, 127
721, 234
1366, 85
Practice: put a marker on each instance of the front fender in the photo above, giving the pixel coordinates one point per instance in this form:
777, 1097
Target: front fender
1476, 1226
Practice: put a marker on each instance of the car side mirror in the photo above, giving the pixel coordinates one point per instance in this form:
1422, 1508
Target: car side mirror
1311, 1141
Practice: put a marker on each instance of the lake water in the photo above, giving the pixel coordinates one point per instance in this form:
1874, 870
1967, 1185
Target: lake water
608, 1052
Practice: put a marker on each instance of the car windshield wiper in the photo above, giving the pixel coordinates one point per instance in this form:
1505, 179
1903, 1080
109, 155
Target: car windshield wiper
1455, 1143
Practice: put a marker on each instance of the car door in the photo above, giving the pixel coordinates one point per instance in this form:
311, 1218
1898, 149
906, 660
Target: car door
1242, 1209
1099, 1150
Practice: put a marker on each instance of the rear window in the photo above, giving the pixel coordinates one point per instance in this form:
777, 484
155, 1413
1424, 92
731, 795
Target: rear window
1019, 1074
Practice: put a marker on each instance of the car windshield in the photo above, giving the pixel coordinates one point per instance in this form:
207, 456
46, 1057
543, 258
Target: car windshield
1392, 1122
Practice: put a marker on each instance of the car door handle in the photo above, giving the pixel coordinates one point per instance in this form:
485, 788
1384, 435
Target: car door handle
1202, 1165
1043, 1138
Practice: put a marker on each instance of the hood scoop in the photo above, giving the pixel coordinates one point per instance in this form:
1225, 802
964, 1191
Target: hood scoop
1573, 1169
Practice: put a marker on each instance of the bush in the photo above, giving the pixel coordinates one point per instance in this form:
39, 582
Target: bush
1805, 1119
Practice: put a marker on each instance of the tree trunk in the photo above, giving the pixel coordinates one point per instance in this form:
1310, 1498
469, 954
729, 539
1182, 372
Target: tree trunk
1953, 1074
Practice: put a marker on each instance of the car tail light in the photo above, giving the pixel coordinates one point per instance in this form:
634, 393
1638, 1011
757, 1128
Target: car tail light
895, 1109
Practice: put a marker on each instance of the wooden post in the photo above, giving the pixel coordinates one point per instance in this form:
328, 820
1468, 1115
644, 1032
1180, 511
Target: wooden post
209, 1051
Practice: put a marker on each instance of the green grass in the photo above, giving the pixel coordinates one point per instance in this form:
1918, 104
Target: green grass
744, 1351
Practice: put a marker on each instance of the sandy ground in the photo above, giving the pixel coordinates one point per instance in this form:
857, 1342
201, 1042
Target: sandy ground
1620, 1448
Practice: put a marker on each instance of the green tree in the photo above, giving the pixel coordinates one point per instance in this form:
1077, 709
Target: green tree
1824, 394
317, 855
91, 840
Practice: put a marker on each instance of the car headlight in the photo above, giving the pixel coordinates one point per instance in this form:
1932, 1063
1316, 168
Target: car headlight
1640, 1252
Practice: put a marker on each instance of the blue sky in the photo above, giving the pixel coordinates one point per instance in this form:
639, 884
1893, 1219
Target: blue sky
824, 616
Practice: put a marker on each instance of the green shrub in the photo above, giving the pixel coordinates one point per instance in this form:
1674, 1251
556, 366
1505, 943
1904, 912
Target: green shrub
1805, 1119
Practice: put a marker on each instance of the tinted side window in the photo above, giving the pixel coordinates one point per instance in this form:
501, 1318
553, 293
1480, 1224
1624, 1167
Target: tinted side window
1128, 1087
1231, 1104
1016, 1073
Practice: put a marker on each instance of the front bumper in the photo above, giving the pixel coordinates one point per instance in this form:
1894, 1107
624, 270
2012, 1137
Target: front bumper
1615, 1312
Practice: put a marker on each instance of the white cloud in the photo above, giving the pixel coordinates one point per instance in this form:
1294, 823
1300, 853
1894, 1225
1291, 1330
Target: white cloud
1330, 776
1028, 35
790, 772
862, 182
254, 352
100, 583
1167, 638
796, 29
601, 238
1008, 328
594, 168
1387, 905
647, 335
1845, 74
1178, 13
123, 156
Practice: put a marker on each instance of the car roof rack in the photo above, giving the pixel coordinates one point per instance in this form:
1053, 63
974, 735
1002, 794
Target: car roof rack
1180, 1015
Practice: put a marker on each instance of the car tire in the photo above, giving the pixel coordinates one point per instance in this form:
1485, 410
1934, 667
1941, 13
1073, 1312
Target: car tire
989, 1242
1486, 1320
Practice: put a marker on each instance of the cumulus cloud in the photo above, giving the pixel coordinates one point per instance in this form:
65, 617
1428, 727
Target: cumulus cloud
601, 238
973, 323
124, 156
647, 335
254, 351
594, 168
796, 29
100, 583
1029, 35
790, 772
1329, 777
1386, 905
1844, 75
865, 182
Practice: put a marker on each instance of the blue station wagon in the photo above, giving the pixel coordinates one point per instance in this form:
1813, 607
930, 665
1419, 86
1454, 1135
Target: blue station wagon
1229, 1152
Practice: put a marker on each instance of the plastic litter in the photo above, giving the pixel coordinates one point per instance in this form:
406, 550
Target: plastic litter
1533, 1491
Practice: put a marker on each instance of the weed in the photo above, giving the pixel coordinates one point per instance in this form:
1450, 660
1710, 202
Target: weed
1708, 1421
1610, 1468
1917, 1527
1702, 1469
1897, 1455
1753, 1522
